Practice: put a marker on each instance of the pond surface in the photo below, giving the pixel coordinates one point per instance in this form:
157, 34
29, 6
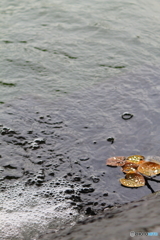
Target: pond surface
69, 71
54, 47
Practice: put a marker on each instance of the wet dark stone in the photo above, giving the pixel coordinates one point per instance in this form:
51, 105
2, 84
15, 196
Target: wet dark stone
110, 206
76, 162
76, 198
68, 197
40, 162
48, 164
39, 181
86, 190
86, 185
69, 191
89, 211
12, 176
41, 173
80, 205
47, 195
105, 194
111, 140
89, 203
51, 174
40, 177
95, 203
84, 158
103, 204
69, 174
6, 130
76, 178
9, 166
34, 145
39, 140
30, 132
30, 181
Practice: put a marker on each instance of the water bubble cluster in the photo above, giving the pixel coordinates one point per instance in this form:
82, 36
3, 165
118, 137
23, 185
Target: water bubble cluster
29, 210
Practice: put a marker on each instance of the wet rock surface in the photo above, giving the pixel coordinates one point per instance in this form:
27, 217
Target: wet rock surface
117, 223
67, 139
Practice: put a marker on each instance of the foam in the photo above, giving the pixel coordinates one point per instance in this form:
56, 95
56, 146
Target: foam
26, 211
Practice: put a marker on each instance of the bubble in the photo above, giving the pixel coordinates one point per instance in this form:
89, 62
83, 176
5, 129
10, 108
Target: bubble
26, 210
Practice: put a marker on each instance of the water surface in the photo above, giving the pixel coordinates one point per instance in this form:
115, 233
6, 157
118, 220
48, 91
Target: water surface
53, 48
68, 73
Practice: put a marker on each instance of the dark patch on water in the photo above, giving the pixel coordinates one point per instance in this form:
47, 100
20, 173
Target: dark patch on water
22, 41
41, 49
7, 84
109, 66
7, 41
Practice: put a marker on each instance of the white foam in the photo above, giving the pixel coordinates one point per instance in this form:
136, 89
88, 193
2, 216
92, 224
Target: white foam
26, 211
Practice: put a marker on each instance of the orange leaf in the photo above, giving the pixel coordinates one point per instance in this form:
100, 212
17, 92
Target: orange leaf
149, 168
133, 180
115, 161
129, 167
138, 159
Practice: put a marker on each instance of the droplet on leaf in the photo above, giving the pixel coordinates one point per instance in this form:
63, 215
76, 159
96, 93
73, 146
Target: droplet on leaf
116, 161
133, 180
129, 167
149, 168
135, 159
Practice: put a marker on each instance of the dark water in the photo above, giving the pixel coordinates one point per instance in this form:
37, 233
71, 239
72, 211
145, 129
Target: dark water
67, 139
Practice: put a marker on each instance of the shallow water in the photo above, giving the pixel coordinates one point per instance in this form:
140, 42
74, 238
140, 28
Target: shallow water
67, 139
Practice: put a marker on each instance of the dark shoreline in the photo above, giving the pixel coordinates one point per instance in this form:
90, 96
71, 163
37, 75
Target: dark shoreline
116, 223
